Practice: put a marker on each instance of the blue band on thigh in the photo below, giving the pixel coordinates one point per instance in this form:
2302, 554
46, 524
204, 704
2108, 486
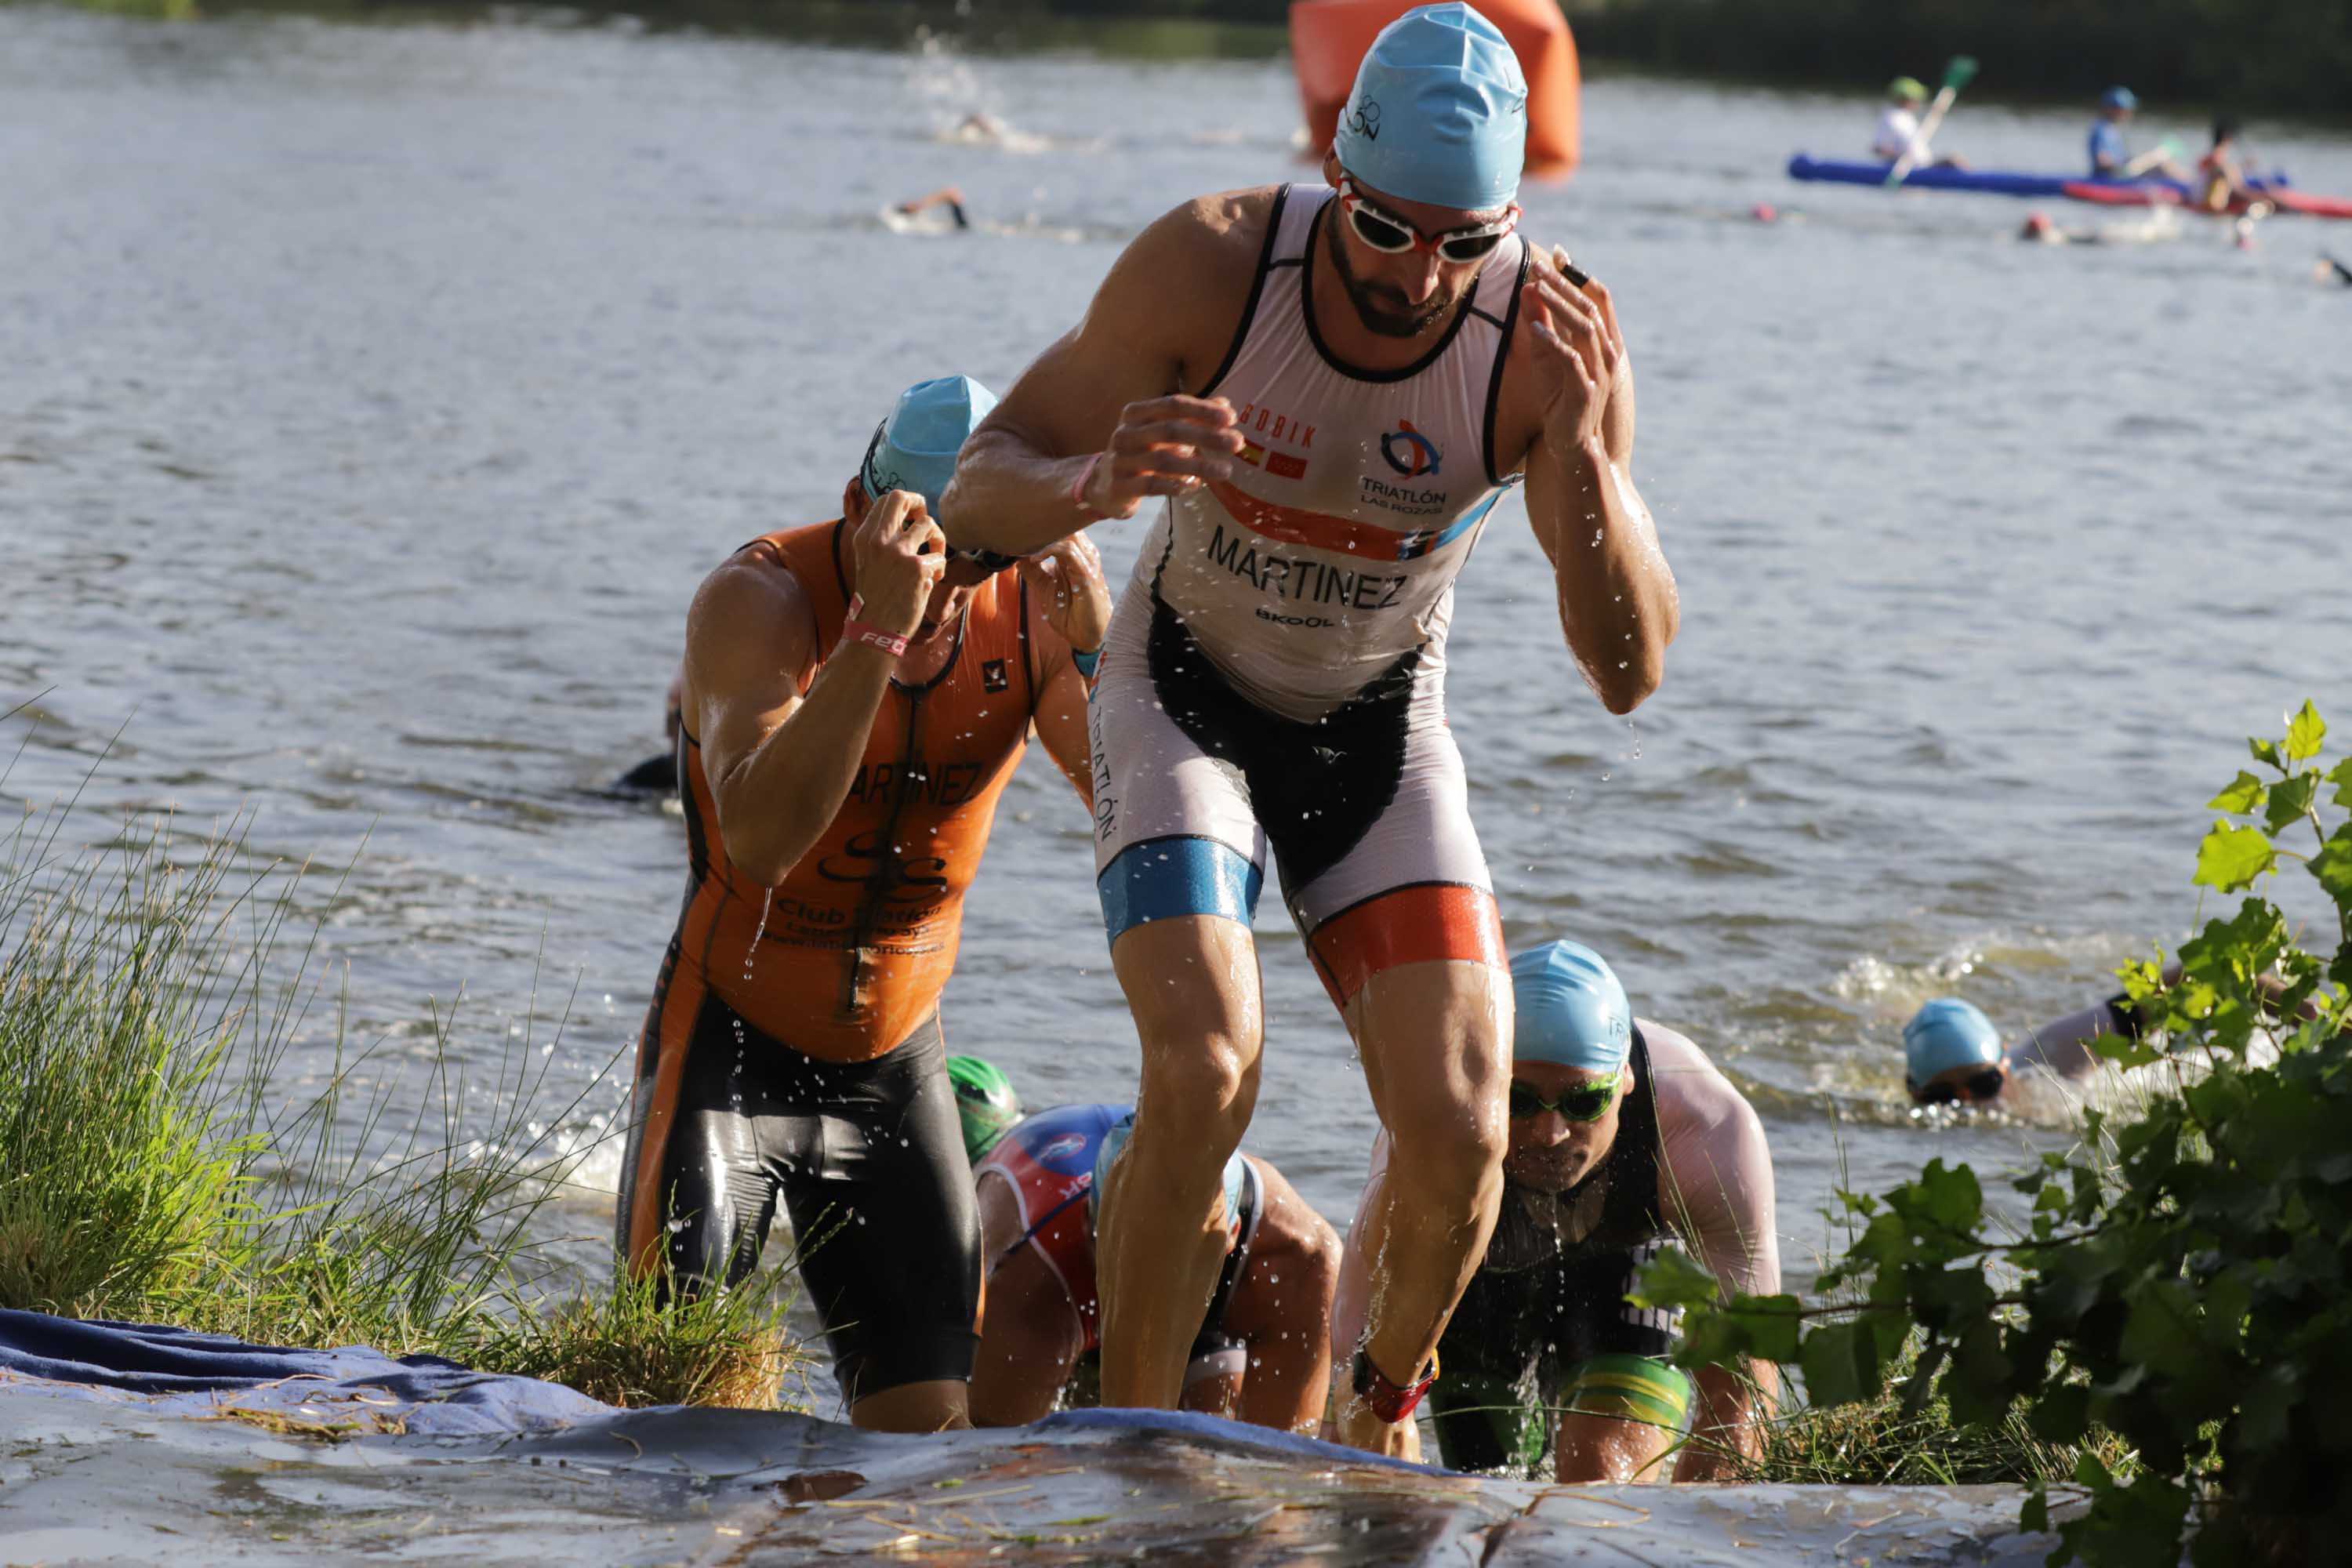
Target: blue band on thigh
1162, 878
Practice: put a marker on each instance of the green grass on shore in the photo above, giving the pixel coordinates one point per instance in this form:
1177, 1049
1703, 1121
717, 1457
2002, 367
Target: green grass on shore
150, 989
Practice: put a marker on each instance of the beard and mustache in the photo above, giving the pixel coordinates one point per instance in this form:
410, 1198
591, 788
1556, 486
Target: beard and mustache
1384, 308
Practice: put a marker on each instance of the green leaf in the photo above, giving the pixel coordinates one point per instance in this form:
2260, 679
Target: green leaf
2243, 794
1841, 1365
2034, 1516
2333, 865
2341, 777
2290, 800
2303, 733
1672, 1279
1773, 1325
2266, 752
2127, 1053
2231, 857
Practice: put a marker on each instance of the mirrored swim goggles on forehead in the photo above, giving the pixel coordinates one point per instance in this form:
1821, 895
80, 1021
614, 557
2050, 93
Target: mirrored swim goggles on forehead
1584, 1102
1387, 232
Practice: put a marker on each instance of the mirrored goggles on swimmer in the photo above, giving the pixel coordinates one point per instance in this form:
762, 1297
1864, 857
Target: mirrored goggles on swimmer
1585, 1102
1387, 232
1970, 1085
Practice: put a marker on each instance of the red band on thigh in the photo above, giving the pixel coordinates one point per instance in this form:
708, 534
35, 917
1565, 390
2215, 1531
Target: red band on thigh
1427, 921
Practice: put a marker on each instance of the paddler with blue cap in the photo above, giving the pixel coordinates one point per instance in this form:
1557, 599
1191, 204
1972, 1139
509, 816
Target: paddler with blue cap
1625, 1141
852, 705
1323, 392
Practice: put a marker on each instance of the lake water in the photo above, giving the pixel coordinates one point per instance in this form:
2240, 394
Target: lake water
373, 398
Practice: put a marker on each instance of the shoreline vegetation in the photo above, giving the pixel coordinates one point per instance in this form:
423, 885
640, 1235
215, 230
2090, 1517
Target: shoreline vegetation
150, 989
2258, 58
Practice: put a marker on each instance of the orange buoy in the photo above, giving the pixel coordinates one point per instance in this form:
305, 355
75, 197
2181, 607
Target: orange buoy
1328, 39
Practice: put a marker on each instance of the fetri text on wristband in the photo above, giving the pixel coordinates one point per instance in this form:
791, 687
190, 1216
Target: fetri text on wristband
868, 635
1384, 1399
1079, 489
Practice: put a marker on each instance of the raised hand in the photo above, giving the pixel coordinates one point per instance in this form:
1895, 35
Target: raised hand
1163, 447
900, 553
1068, 581
1577, 351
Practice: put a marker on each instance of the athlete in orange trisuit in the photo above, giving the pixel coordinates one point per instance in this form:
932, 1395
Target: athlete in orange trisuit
852, 703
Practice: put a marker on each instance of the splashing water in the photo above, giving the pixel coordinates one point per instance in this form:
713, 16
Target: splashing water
751, 954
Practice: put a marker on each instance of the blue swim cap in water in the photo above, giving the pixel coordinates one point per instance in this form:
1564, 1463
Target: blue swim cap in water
1948, 1033
1439, 112
1116, 1138
2118, 98
1572, 1010
914, 448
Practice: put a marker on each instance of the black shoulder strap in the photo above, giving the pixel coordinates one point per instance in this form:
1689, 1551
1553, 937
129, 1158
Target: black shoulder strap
1633, 1201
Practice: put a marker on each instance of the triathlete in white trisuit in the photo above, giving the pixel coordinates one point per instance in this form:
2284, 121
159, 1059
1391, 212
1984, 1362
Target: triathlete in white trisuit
1332, 386
1625, 1141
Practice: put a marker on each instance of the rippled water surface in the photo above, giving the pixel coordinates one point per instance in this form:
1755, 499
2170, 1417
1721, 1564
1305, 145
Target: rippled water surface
371, 400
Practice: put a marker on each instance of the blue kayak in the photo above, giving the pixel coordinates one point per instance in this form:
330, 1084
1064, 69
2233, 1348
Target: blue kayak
1998, 182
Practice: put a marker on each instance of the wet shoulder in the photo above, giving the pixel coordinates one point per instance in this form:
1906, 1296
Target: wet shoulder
1204, 259
1693, 1093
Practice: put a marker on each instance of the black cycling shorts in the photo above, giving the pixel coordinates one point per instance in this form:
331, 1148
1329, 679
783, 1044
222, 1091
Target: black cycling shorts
869, 1159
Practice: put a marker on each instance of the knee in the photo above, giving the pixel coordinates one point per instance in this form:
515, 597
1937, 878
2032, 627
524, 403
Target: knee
1202, 1097
1454, 1144
1310, 1257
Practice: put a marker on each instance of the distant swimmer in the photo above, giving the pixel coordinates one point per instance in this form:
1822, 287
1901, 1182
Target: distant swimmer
946, 197
1899, 136
1625, 1141
2111, 155
1952, 1054
1261, 1351
1332, 387
852, 704
2330, 269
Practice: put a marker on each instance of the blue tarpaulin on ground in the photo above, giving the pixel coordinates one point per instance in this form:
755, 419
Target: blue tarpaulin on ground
178, 1370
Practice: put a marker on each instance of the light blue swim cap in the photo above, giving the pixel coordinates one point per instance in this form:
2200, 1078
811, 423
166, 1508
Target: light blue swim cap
914, 448
1439, 112
1116, 1138
2118, 98
1948, 1033
1571, 1008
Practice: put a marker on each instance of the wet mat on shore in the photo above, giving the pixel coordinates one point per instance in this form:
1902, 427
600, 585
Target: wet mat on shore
409, 1461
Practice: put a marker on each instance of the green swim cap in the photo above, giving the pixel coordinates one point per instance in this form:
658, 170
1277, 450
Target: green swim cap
985, 1100
1904, 87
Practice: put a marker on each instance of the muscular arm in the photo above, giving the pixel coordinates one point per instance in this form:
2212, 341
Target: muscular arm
1619, 607
1061, 721
1029, 1338
779, 762
1168, 305
1716, 1189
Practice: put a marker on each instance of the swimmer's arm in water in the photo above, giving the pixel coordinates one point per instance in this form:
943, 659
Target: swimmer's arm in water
1069, 608
1619, 607
1113, 387
779, 762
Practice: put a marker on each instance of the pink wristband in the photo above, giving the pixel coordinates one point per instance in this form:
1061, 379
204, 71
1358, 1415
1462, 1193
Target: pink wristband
1078, 491
854, 630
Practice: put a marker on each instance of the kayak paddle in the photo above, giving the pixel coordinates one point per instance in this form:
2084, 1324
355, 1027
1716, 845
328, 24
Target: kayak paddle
1960, 71
2169, 147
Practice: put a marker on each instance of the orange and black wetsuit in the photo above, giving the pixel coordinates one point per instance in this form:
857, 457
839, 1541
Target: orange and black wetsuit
793, 1049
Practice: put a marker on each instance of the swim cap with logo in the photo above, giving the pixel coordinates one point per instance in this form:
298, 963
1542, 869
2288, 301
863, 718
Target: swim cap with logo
1948, 1033
1571, 1009
984, 1101
1116, 1138
1906, 86
914, 448
1439, 112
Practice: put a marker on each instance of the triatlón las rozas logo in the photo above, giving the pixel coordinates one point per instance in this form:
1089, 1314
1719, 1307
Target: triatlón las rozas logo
1410, 452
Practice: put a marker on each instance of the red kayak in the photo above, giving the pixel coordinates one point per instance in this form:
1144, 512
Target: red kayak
2152, 194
